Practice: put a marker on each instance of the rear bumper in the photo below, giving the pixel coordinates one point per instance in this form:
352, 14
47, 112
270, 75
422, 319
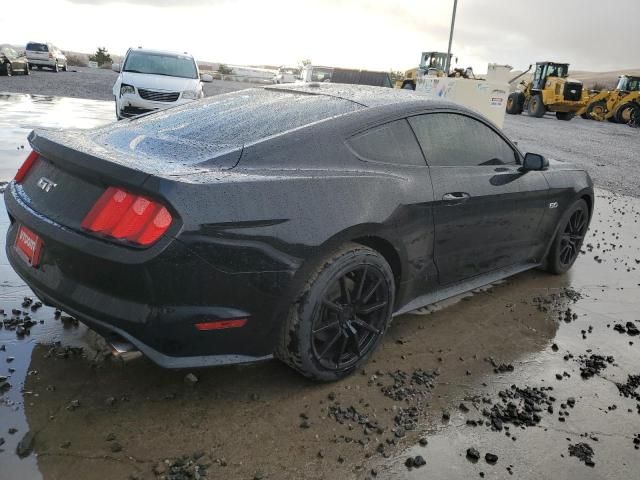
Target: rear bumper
152, 298
43, 63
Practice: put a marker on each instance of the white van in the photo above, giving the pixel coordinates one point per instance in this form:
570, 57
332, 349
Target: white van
45, 55
153, 80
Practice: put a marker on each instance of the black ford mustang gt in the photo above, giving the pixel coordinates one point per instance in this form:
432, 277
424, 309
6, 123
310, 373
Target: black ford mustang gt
292, 221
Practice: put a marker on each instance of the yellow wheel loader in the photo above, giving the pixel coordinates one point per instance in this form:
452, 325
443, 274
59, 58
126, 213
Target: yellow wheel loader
433, 64
550, 90
614, 105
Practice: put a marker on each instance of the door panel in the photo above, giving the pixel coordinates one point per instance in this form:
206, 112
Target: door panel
486, 212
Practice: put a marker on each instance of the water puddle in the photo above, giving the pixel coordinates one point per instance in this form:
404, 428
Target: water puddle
19, 114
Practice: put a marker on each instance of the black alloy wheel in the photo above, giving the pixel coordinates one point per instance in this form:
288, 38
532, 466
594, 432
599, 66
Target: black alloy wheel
351, 318
340, 314
566, 246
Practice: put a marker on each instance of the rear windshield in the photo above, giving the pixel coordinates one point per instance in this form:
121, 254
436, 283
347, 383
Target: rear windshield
37, 47
223, 122
161, 64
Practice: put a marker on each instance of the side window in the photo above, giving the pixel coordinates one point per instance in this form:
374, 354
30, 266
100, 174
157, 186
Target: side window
449, 140
392, 142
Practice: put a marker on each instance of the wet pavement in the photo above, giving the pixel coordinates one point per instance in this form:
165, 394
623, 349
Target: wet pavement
428, 392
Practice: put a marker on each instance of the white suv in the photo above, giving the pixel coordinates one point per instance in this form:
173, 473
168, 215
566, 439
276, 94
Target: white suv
153, 80
45, 55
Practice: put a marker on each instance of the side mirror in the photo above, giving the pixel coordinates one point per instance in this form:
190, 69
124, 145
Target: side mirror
534, 162
115, 67
205, 77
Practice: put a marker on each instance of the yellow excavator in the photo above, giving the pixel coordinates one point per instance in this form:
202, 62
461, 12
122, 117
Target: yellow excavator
614, 105
550, 90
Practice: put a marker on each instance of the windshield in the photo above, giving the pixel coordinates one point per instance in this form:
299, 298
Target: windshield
629, 84
181, 66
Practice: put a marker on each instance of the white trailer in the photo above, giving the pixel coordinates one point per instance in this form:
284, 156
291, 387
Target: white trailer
488, 97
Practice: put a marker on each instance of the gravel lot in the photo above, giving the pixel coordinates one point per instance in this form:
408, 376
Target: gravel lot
609, 152
91, 83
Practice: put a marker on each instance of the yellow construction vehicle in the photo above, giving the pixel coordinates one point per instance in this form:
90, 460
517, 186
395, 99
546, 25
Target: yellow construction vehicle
614, 105
432, 64
550, 90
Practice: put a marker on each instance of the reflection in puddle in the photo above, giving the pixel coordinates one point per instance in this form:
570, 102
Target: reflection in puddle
19, 114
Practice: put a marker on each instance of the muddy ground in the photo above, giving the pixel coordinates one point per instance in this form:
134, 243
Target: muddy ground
541, 371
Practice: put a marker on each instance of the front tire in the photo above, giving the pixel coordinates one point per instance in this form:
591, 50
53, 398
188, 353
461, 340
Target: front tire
536, 107
514, 103
569, 237
340, 316
8, 71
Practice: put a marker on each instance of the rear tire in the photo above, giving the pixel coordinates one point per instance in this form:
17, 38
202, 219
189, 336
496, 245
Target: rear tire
408, 86
56, 68
566, 116
536, 107
26, 70
514, 103
569, 238
340, 315
623, 113
64, 67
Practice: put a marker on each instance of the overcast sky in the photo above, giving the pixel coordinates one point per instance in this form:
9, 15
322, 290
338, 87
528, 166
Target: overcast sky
590, 34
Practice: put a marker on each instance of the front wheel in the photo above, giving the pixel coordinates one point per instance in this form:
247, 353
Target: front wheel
340, 316
514, 103
569, 237
536, 107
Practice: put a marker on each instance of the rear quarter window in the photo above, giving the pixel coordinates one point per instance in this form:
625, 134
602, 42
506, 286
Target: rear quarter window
392, 143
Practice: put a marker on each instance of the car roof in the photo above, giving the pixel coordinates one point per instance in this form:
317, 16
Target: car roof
364, 95
166, 52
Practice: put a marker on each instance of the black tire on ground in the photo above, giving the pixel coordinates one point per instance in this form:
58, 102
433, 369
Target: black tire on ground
39, 67
408, 86
598, 108
515, 101
623, 113
566, 116
64, 67
536, 107
8, 71
26, 69
635, 116
55, 67
340, 315
569, 237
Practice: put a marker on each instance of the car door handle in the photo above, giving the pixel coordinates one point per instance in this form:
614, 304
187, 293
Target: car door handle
455, 196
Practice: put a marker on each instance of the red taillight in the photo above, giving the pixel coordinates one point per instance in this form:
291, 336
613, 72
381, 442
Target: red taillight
222, 324
28, 163
50, 55
125, 216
